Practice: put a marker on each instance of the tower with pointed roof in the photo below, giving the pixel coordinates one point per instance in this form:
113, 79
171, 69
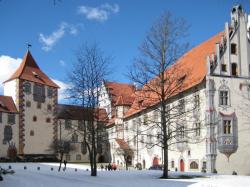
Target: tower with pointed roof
35, 96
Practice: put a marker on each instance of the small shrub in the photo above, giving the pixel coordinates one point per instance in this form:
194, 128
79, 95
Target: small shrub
234, 173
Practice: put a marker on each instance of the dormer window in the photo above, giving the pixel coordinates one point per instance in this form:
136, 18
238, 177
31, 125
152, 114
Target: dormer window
35, 74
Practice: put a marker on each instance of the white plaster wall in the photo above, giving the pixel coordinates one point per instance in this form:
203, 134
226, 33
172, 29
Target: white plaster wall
240, 104
10, 89
43, 131
4, 147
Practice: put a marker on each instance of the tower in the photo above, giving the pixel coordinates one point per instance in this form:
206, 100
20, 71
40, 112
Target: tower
35, 96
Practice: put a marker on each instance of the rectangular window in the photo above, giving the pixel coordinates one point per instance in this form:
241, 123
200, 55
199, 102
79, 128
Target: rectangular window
67, 124
224, 67
223, 98
233, 49
1, 120
11, 119
172, 164
67, 157
227, 128
197, 102
81, 125
181, 132
181, 106
78, 157
197, 129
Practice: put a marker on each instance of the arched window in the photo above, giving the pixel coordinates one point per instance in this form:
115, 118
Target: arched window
31, 133
194, 165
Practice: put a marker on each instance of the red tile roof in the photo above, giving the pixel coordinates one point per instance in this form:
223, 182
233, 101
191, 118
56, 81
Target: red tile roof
124, 146
29, 70
7, 104
75, 112
121, 93
192, 67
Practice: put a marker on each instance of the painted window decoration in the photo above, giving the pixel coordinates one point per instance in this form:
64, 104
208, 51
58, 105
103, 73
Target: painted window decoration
27, 88
194, 165
227, 133
39, 93
7, 133
11, 119
50, 92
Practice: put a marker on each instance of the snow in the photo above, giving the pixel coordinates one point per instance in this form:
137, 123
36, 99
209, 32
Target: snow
46, 178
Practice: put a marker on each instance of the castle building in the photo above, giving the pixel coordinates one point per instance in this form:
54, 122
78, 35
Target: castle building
32, 120
218, 84
216, 79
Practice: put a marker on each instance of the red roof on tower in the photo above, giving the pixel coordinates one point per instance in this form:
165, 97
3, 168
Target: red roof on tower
29, 70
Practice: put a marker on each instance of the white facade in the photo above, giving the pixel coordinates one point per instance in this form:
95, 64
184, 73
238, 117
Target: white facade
223, 115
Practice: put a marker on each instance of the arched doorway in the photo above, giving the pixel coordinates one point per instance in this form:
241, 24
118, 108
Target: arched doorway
155, 161
182, 166
129, 160
101, 159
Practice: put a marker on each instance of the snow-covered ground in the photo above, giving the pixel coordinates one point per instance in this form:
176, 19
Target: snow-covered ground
45, 177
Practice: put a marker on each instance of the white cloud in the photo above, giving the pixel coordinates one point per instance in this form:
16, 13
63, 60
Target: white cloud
49, 41
100, 13
62, 91
8, 67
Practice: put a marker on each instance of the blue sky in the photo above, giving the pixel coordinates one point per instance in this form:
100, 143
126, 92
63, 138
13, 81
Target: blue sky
118, 26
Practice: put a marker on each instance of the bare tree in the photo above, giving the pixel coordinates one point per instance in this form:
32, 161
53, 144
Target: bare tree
62, 147
86, 79
161, 80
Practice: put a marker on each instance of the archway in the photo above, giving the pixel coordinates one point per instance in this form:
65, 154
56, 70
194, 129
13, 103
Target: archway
101, 159
155, 161
182, 166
